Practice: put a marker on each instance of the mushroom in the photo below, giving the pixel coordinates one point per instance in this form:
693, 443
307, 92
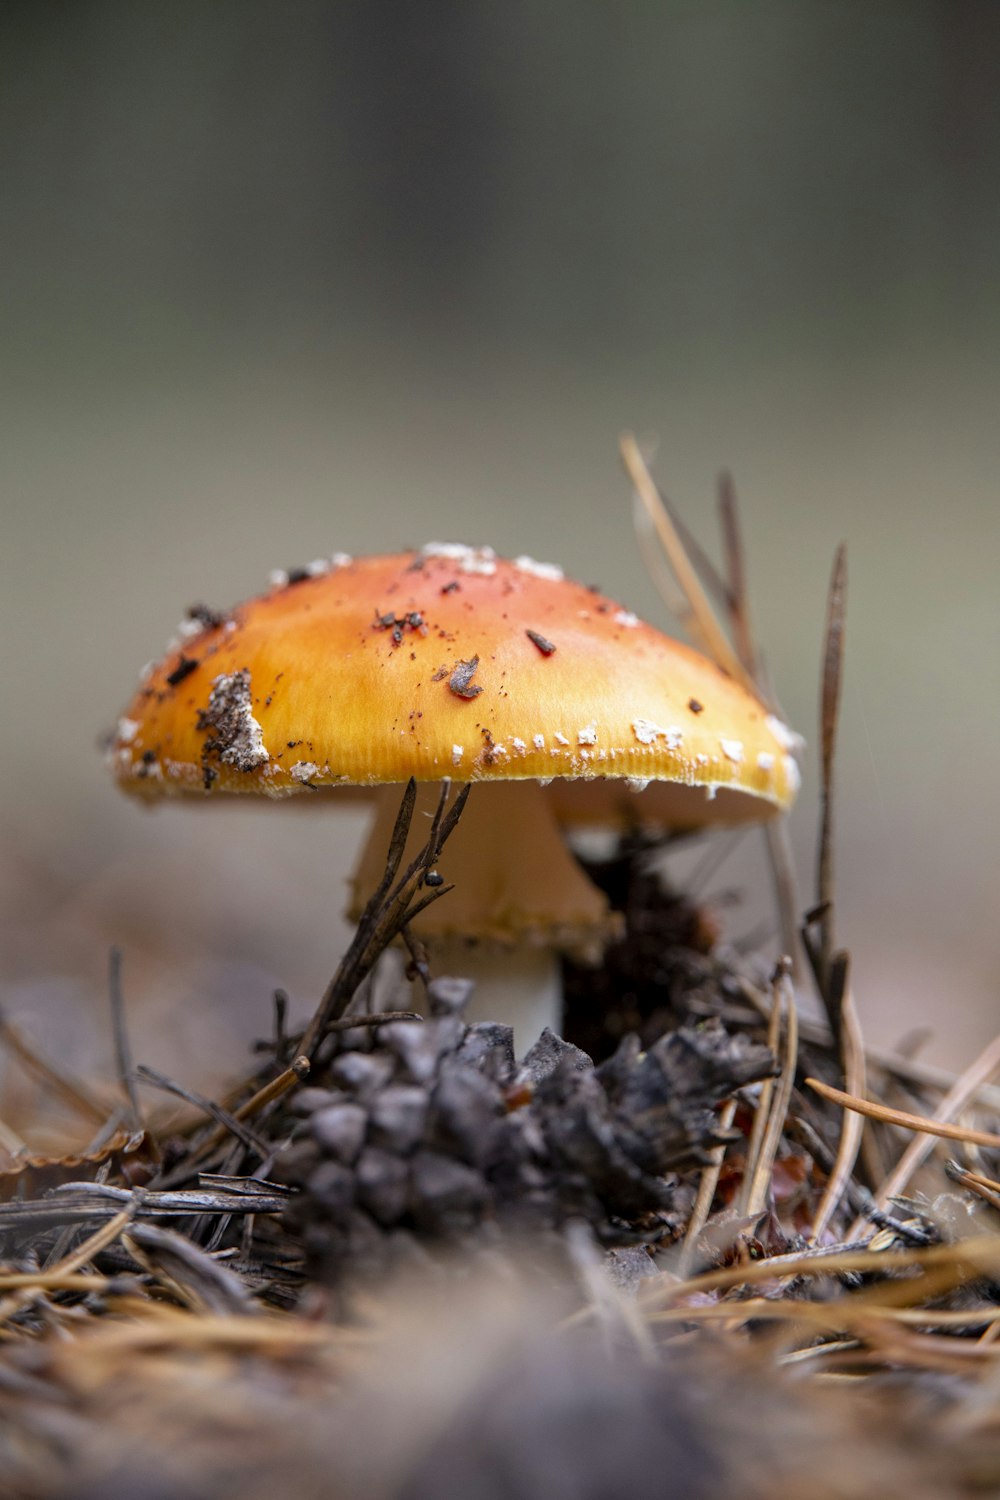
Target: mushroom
451, 663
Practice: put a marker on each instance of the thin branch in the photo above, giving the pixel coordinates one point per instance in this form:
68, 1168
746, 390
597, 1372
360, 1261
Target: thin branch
133, 1118
903, 1118
736, 573
852, 1125
833, 665
762, 1113
378, 1018
77, 1202
390, 908
297, 1073
70, 1090
782, 1097
779, 849
707, 1184
701, 619
208, 1106
961, 1092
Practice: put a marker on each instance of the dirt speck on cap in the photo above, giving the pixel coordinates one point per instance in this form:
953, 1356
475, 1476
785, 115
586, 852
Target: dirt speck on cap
460, 681
235, 738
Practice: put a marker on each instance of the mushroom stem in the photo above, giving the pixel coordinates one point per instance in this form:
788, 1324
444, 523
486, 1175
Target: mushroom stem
522, 987
519, 899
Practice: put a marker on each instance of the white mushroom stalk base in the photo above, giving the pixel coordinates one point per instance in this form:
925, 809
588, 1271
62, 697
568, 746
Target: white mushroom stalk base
522, 987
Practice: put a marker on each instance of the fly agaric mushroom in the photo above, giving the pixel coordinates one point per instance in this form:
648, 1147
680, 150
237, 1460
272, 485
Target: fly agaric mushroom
451, 663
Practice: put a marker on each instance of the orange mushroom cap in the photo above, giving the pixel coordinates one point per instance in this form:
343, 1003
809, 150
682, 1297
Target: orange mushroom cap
447, 662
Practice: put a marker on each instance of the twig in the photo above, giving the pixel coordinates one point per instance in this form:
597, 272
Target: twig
983, 1187
779, 849
707, 1184
10, 1142
418, 956
833, 663
736, 573
203, 1280
700, 620
377, 1018
133, 1118
975, 1256
209, 1107
389, 908
757, 1197
69, 1265
909, 1069
852, 1125
762, 1113
887, 1116
286, 1080
75, 1202
72, 1092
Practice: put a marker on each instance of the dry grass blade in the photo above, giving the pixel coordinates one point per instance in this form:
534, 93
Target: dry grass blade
70, 1090
833, 667
276, 1089
700, 619
372, 1021
852, 1127
736, 573
198, 1280
887, 1116
763, 1111
983, 1187
779, 849
968, 1260
11, 1143
958, 1096
396, 901
757, 1195
707, 1184
910, 1070
776, 831
132, 1116
63, 1275
221, 1116
80, 1202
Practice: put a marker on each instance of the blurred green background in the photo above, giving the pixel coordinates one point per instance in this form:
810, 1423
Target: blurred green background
285, 279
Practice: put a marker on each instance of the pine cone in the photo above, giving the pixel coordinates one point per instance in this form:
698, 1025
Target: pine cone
432, 1134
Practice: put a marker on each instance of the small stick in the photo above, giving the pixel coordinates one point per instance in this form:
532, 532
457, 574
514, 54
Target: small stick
903, 1118
977, 1255
833, 664
298, 1071
11, 1142
779, 848
68, 1267
76, 1094
208, 1107
390, 908
909, 1069
763, 1110
280, 1043
852, 1126
418, 955
707, 1185
377, 1018
756, 1201
736, 572
701, 620
983, 1187
133, 1118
